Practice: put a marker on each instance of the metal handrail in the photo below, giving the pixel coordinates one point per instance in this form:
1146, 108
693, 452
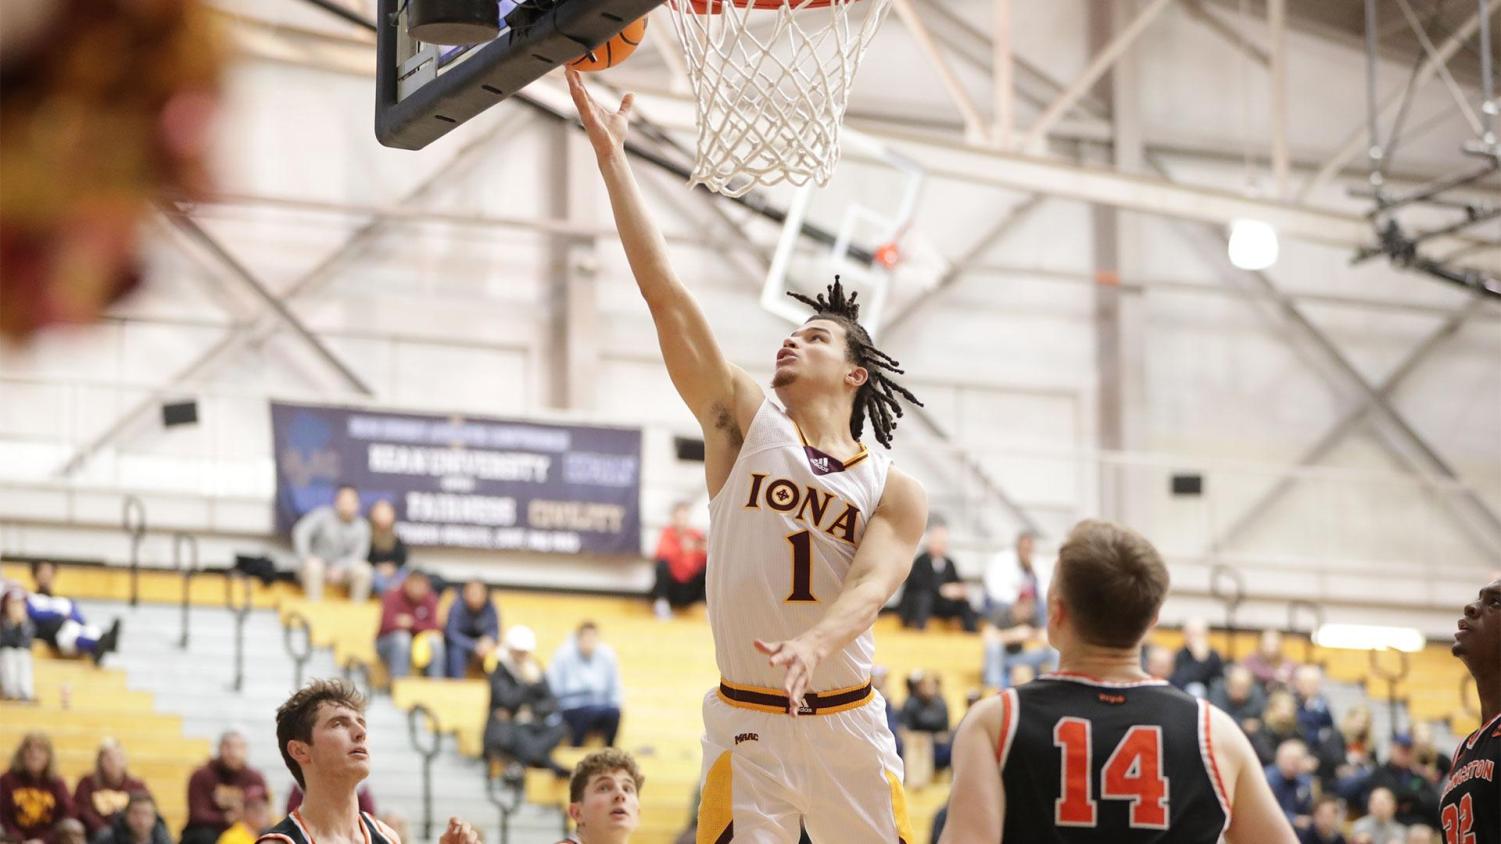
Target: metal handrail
1392, 678
241, 613
428, 755
134, 522
354, 666
1302, 607
188, 565
1231, 597
294, 622
507, 799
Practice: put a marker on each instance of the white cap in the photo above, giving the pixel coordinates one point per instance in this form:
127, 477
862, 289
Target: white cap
521, 638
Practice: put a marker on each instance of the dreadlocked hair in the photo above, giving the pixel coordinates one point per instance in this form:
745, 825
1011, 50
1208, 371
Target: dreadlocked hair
877, 397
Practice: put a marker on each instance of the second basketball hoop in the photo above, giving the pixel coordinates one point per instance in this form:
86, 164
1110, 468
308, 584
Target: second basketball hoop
772, 80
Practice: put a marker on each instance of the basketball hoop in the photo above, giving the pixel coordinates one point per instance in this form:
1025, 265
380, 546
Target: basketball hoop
771, 98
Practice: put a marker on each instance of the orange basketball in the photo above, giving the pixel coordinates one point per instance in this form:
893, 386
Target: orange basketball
614, 51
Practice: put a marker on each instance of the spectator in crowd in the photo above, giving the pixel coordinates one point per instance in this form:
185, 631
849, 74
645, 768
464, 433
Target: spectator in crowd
1415, 795
1238, 694
1267, 664
1379, 826
1314, 716
682, 559
934, 588
333, 546
216, 791
1354, 771
362, 796
138, 823
473, 629
1014, 570
1326, 822
103, 794
1197, 665
388, 554
1017, 637
604, 797
60, 623
69, 831
33, 798
585, 677
255, 819
878, 677
1157, 661
1420, 834
1291, 784
16, 635
1279, 723
1434, 763
1021, 675
524, 725
408, 616
926, 712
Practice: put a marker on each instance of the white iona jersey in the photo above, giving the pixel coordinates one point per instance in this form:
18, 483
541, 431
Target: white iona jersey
782, 535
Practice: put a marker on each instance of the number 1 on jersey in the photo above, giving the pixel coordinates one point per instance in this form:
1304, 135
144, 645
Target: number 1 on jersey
802, 566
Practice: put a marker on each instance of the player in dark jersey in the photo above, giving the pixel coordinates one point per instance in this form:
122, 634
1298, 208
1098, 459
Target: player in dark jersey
1470, 809
1098, 751
321, 733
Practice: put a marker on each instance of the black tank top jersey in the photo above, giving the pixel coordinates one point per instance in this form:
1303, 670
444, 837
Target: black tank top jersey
1470, 810
1091, 762
291, 831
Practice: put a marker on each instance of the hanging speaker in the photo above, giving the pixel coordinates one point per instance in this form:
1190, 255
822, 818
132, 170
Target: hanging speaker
453, 22
689, 448
1189, 485
179, 413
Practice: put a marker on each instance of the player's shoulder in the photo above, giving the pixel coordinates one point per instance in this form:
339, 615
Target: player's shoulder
285, 832
904, 494
381, 829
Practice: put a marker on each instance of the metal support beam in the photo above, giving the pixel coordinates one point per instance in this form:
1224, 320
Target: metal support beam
974, 126
1455, 91
1097, 67
1352, 143
1229, 34
1003, 68
1276, 18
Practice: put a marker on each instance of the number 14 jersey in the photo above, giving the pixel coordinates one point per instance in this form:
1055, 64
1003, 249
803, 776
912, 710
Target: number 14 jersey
783, 533
1084, 760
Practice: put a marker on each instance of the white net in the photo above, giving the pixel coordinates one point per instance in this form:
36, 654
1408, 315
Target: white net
772, 79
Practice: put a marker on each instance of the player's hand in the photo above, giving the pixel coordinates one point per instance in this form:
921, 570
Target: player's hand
799, 658
459, 832
606, 129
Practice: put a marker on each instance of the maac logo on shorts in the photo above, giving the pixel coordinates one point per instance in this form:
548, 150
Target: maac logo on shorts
747, 737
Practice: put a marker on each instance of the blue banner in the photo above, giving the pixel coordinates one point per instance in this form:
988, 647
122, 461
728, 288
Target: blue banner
466, 482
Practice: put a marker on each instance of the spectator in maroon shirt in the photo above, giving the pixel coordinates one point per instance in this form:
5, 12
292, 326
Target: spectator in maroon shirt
102, 795
216, 791
406, 613
682, 559
33, 798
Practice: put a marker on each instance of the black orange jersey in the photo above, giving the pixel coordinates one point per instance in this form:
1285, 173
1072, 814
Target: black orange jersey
1085, 761
1470, 809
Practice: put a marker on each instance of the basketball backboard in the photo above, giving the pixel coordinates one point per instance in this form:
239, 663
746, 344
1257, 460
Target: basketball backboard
424, 91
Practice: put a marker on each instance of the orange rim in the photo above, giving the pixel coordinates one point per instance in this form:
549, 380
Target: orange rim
714, 7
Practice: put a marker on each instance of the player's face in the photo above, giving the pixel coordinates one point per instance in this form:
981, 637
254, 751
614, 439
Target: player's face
338, 746
816, 354
610, 804
1477, 639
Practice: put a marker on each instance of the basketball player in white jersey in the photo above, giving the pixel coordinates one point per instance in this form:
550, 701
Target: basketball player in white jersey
810, 535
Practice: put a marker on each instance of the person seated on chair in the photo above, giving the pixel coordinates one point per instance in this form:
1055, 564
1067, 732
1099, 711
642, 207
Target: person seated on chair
332, 544
927, 712
255, 819
682, 563
388, 554
604, 798
33, 797
60, 623
524, 725
103, 794
473, 629
1197, 666
585, 676
216, 791
1017, 636
408, 635
16, 635
934, 588
138, 823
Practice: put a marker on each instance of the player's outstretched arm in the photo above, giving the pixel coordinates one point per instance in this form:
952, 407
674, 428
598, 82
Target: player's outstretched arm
977, 800
708, 383
879, 567
1255, 817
